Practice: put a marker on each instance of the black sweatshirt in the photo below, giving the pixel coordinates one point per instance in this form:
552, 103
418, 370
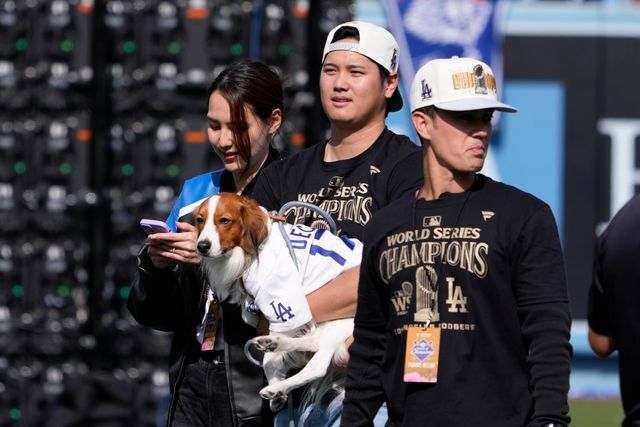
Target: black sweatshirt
350, 191
614, 297
493, 256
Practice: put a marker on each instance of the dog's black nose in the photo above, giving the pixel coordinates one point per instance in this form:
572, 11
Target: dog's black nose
204, 246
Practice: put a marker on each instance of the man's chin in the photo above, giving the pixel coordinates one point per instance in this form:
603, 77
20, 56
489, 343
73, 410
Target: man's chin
476, 168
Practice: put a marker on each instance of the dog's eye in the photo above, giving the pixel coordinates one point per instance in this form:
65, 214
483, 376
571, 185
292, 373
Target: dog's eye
224, 221
199, 220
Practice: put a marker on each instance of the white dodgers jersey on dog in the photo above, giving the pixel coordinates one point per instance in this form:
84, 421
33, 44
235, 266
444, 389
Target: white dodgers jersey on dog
279, 287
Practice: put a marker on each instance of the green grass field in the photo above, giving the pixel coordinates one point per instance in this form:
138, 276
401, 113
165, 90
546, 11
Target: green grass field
596, 413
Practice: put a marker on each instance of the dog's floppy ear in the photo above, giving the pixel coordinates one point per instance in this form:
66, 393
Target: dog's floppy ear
200, 214
255, 228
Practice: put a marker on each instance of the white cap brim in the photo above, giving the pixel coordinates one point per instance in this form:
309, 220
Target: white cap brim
475, 104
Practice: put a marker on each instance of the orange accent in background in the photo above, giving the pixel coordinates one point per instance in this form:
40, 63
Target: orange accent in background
193, 13
195, 137
298, 139
83, 135
300, 12
85, 8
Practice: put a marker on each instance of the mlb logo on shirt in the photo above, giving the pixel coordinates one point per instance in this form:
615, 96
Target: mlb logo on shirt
431, 221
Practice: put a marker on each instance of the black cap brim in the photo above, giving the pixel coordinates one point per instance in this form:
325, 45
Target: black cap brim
395, 102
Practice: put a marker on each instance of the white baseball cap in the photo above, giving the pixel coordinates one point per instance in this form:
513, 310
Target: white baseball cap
456, 84
375, 43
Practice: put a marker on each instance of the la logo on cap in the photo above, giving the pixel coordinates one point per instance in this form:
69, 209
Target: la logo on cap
394, 59
426, 90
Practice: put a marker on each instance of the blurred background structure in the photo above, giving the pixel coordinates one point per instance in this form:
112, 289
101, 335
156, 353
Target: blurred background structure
102, 107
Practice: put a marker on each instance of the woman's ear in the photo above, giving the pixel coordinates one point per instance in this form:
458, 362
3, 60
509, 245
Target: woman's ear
276, 121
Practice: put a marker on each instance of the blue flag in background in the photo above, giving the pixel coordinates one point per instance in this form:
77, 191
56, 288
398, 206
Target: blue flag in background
428, 29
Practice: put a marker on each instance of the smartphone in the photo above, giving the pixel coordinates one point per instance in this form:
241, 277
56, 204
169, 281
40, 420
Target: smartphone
151, 226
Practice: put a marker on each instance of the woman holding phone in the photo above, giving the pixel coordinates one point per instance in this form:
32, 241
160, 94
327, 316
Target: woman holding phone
212, 382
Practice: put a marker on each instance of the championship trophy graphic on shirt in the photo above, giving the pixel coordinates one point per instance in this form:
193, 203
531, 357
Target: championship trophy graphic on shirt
423, 342
426, 295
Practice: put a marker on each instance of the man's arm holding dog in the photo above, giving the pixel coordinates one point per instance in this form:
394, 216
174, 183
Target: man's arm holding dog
337, 299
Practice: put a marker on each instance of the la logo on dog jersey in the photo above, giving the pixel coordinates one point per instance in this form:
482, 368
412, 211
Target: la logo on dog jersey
280, 311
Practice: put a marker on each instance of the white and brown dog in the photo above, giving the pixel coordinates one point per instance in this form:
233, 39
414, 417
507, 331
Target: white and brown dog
246, 255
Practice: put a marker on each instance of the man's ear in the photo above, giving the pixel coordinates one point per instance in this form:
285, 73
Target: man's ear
422, 123
392, 81
276, 121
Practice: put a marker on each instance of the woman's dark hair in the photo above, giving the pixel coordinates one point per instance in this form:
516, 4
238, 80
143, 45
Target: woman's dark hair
252, 84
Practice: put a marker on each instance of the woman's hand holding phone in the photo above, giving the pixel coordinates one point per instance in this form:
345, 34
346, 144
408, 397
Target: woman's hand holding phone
166, 249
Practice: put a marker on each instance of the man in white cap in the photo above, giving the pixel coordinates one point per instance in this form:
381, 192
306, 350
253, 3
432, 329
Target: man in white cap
463, 315
363, 166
